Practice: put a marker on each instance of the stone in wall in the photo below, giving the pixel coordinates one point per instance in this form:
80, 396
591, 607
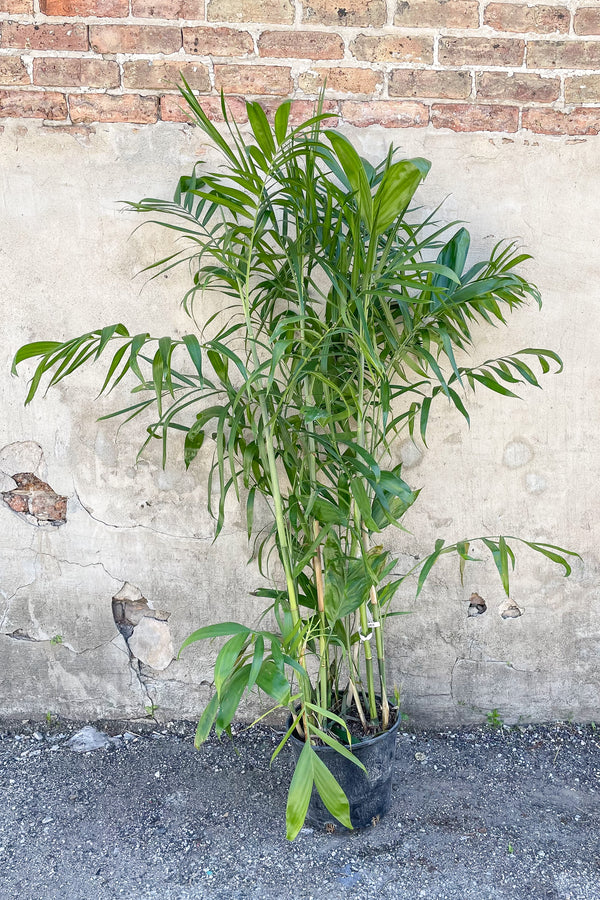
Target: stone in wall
146, 631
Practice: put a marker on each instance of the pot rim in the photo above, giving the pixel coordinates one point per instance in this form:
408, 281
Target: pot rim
367, 742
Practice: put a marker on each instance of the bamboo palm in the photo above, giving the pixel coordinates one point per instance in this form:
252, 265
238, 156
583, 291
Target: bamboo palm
344, 315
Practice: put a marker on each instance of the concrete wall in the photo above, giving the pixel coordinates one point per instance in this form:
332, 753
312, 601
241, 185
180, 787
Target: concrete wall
132, 531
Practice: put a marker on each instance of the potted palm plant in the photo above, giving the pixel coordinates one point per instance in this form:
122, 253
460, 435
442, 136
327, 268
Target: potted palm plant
343, 316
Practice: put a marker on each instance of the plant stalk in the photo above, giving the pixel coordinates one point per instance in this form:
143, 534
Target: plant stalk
366, 633
379, 644
322, 642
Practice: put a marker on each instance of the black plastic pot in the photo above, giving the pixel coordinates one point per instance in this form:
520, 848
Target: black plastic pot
369, 795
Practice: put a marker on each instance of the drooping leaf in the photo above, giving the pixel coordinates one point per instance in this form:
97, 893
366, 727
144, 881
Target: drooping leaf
331, 792
429, 563
230, 699
227, 657
299, 793
272, 680
206, 721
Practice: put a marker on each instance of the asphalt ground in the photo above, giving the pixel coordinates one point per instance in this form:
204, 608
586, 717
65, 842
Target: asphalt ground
486, 812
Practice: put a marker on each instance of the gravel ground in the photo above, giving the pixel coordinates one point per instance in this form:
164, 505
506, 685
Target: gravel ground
477, 813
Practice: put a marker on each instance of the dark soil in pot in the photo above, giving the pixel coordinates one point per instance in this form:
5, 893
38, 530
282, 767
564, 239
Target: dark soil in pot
370, 794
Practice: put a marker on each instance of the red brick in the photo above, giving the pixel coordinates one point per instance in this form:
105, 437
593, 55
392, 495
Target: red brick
267, 12
253, 80
521, 86
134, 39
111, 108
389, 113
44, 37
581, 88
393, 48
12, 70
551, 121
341, 81
437, 13
563, 55
174, 109
521, 18
467, 117
112, 8
300, 44
96, 73
357, 13
17, 7
169, 9
301, 110
217, 42
587, 20
148, 74
33, 104
428, 83
481, 51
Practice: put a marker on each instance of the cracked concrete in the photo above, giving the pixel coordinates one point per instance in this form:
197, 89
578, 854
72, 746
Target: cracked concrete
524, 467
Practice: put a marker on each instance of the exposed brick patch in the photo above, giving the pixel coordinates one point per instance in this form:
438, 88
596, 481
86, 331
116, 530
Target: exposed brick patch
462, 117
481, 51
581, 88
587, 20
253, 80
437, 13
551, 121
135, 39
341, 80
393, 48
95, 8
109, 108
269, 12
207, 41
33, 104
389, 113
300, 44
416, 52
148, 74
428, 83
521, 18
13, 71
563, 55
173, 109
44, 37
35, 501
358, 13
522, 86
64, 72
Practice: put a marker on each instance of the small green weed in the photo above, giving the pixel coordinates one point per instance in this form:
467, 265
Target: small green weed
494, 719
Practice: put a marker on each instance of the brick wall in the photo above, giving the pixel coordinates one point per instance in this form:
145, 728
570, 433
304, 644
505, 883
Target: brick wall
468, 65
